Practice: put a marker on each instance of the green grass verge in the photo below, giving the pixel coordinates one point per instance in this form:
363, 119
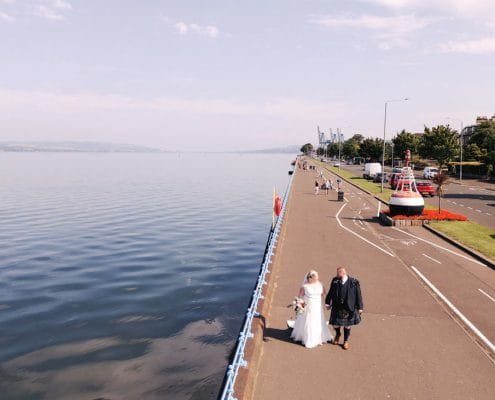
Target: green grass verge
471, 234
370, 186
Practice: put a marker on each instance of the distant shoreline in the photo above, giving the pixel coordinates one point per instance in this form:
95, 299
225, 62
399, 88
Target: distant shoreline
97, 147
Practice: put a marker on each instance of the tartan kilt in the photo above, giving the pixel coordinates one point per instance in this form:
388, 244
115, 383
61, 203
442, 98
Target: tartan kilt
338, 319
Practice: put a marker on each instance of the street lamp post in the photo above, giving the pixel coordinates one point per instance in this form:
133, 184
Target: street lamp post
384, 137
461, 139
392, 146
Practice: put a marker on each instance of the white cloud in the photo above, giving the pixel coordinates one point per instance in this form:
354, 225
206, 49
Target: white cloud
472, 46
6, 17
396, 24
51, 102
184, 28
54, 10
389, 31
482, 9
202, 30
163, 121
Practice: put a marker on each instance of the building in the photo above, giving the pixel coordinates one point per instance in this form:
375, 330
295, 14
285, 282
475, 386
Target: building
468, 131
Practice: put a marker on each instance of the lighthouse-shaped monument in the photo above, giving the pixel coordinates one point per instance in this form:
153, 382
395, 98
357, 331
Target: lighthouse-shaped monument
406, 199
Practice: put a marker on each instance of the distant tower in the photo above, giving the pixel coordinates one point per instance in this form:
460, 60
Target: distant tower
321, 137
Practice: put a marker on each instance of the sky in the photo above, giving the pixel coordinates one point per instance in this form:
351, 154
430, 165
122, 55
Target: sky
231, 75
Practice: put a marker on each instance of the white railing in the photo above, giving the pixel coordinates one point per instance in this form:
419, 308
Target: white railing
246, 333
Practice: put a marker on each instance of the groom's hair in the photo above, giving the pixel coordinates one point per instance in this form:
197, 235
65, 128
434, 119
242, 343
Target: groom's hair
341, 269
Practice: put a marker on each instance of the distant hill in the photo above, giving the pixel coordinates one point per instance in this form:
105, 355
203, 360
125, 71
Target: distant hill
74, 146
292, 149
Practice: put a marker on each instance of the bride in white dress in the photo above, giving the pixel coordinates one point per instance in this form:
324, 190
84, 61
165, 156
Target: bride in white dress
310, 326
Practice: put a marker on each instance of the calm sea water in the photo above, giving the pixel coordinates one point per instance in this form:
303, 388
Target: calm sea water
126, 276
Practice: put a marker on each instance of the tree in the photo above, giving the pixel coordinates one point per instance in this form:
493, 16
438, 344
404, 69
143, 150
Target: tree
307, 148
405, 141
440, 143
332, 149
372, 148
357, 138
441, 179
352, 147
484, 138
472, 152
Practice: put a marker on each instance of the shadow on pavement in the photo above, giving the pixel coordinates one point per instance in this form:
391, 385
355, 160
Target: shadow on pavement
278, 334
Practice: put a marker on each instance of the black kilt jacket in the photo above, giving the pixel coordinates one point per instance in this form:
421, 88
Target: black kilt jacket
353, 299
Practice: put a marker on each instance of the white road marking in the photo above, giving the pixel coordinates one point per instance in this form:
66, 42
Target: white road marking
470, 208
441, 247
478, 210
487, 295
453, 202
431, 258
356, 234
469, 324
489, 214
461, 205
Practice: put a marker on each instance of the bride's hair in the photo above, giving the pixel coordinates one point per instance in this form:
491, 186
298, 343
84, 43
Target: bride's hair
312, 274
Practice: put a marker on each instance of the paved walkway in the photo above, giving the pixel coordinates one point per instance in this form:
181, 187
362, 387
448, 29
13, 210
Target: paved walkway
408, 345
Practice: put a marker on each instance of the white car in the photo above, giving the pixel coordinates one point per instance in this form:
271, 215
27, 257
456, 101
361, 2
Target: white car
430, 172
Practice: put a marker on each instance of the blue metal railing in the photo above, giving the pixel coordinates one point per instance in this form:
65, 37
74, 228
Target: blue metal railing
238, 359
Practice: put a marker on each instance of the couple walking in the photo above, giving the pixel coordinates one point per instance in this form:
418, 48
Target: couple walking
343, 298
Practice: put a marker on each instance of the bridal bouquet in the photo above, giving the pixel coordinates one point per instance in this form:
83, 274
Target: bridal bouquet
298, 305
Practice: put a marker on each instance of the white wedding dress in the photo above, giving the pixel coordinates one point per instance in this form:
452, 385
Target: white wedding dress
310, 327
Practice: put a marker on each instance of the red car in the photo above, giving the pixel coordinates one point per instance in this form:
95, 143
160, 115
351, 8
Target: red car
426, 188
394, 179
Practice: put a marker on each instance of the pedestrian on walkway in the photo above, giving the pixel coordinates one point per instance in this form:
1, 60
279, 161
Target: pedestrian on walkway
328, 185
317, 186
346, 302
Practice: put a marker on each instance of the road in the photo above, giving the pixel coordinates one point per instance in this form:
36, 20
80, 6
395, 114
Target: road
465, 281
476, 203
410, 345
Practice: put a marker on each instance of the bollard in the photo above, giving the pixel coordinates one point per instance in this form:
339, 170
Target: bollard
340, 195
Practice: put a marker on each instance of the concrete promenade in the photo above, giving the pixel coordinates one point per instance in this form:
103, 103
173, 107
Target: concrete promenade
409, 345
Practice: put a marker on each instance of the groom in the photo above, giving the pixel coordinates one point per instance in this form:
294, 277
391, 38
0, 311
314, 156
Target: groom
345, 300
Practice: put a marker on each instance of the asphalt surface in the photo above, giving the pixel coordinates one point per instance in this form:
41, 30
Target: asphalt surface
410, 345
475, 202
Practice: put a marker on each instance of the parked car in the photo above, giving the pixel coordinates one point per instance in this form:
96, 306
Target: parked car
378, 177
426, 189
396, 169
371, 169
336, 164
323, 159
429, 172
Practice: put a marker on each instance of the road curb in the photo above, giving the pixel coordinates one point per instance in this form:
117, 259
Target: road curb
473, 253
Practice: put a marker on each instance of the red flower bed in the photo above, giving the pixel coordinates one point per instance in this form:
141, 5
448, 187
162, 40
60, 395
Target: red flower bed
434, 215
